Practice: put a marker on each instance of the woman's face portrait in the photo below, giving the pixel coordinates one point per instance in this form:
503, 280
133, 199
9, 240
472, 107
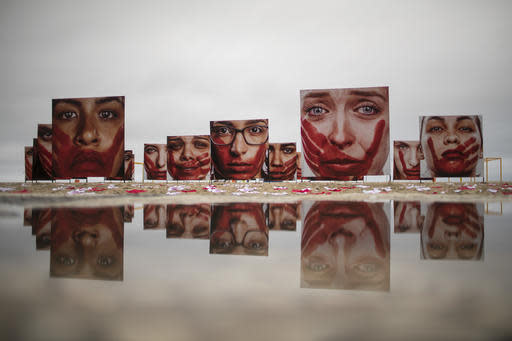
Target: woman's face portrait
282, 216
408, 218
44, 147
188, 157
239, 148
406, 157
239, 229
282, 161
87, 243
88, 137
129, 164
345, 132
188, 221
453, 231
345, 245
155, 161
154, 217
29, 153
452, 145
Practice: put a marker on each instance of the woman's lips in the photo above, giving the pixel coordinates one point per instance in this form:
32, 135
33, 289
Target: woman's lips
412, 172
342, 165
240, 167
453, 155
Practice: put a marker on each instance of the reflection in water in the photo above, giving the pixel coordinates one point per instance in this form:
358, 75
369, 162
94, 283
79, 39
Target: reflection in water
345, 245
239, 228
408, 218
87, 243
188, 221
282, 216
154, 217
129, 212
27, 217
42, 227
453, 231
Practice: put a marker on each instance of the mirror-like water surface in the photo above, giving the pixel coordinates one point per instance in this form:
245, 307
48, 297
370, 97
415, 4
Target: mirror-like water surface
320, 270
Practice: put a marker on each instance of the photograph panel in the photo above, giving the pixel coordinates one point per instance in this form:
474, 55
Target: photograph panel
406, 160
239, 148
281, 161
189, 157
344, 132
88, 137
452, 146
155, 161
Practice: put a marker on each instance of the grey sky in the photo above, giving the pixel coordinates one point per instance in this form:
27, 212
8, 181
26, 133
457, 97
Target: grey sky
181, 64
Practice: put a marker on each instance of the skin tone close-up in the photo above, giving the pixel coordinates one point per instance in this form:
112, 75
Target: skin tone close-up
281, 216
29, 157
345, 132
188, 221
129, 164
188, 157
154, 217
452, 146
345, 245
453, 231
88, 137
239, 148
281, 161
87, 243
406, 159
239, 229
155, 161
408, 218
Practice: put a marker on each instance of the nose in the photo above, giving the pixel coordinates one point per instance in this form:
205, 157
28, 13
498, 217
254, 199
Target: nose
161, 161
186, 154
341, 134
276, 159
238, 146
451, 138
86, 238
87, 133
413, 158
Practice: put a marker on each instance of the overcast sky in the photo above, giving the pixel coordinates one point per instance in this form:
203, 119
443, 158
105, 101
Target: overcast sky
181, 64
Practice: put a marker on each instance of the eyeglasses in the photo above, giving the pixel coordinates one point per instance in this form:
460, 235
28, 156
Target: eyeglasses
253, 135
254, 241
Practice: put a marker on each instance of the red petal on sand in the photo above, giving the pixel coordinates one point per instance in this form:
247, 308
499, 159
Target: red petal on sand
135, 191
188, 191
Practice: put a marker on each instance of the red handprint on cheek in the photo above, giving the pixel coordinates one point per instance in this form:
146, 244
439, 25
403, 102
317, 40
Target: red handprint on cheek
458, 161
410, 173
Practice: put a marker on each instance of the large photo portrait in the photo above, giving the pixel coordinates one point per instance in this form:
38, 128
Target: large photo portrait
88, 137
42, 159
155, 161
29, 160
188, 157
281, 162
452, 146
239, 148
345, 133
406, 160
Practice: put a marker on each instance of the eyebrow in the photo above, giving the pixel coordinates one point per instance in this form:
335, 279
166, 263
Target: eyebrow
435, 118
201, 138
461, 118
67, 101
317, 94
102, 100
367, 93
284, 145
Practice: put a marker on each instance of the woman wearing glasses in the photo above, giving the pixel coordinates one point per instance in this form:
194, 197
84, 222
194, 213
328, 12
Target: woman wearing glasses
238, 148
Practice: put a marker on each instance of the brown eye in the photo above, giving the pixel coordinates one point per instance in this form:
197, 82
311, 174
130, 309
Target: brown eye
200, 145
107, 115
288, 150
175, 145
150, 150
67, 115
